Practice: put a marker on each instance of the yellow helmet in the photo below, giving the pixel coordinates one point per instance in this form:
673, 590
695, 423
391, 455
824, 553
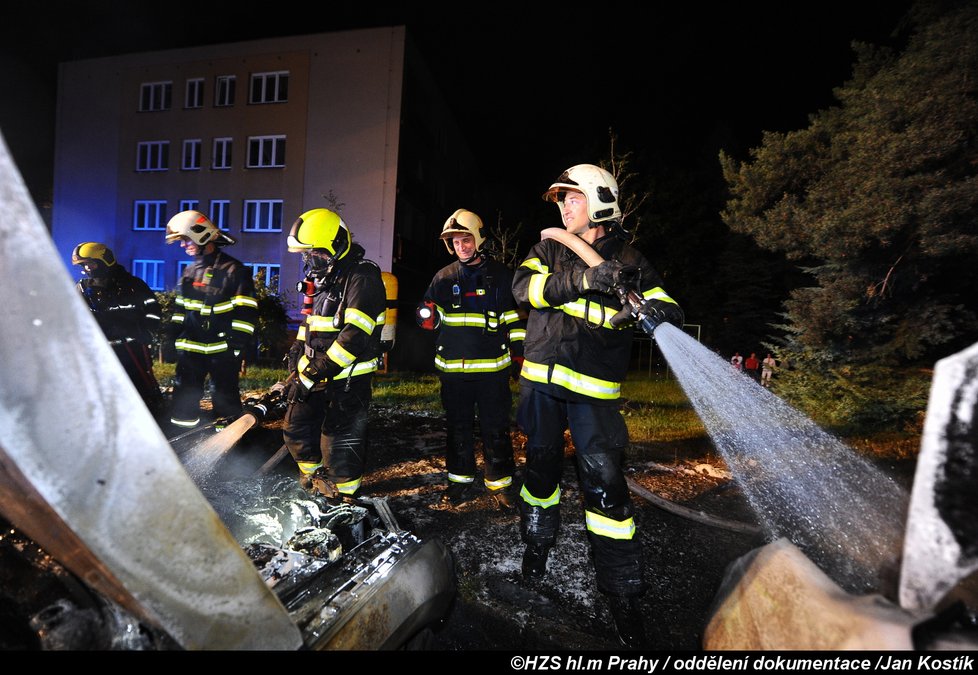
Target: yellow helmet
598, 185
320, 229
462, 221
196, 227
94, 257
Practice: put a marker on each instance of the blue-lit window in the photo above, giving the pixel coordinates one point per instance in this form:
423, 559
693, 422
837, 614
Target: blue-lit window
149, 214
191, 154
153, 156
220, 208
190, 205
224, 90
268, 272
262, 215
181, 266
266, 151
150, 271
221, 158
195, 93
270, 87
155, 96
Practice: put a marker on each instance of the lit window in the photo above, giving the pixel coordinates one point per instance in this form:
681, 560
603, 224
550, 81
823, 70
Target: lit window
149, 214
262, 215
155, 96
222, 154
266, 151
191, 154
153, 156
150, 271
270, 87
181, 266
219, 213
195, 93
267, 272
224, 90
189, 204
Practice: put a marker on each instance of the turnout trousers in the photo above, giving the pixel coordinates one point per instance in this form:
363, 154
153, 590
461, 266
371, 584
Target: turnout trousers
329, 429
490, 395
600, 438
192, 370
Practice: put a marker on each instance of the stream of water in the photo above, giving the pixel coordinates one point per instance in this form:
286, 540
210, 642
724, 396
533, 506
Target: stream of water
804, 484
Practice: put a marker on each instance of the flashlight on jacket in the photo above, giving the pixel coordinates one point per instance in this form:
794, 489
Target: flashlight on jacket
308, 289
427, 315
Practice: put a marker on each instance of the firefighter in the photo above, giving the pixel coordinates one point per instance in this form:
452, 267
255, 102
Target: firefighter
128, 313
571, 378
480, 336
334, 356
213, 323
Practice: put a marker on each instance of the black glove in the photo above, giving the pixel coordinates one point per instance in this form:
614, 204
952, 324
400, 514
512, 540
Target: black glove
295, 392
610, 273
295, 353
660, 311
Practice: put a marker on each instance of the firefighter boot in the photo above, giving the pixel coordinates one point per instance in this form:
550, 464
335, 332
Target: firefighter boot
505, 499
629, 623
458, 493
535, 561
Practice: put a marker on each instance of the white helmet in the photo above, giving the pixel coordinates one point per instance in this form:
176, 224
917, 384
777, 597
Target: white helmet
196, 227
598, 185
462, 221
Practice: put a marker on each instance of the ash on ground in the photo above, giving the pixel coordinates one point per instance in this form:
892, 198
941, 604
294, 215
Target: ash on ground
495, 608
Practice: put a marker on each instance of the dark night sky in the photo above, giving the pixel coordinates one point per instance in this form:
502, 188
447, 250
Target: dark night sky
535, 87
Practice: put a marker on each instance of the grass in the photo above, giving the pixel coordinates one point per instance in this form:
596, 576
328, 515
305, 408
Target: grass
656, 410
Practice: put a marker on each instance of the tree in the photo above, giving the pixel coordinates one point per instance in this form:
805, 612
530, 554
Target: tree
877, 199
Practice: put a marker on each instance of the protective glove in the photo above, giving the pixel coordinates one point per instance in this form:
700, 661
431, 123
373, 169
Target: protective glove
295, 392
660, 311
605, 276
292, 358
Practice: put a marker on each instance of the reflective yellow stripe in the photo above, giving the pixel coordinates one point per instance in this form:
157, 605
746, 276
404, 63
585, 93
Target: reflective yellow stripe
460, 319
300, 336
222, 307
360, 320
308, 468
243, 326
456, 478
183, 345
472, 365
536, 265
244, 301
361, 368
659, 294
535, 291
552, 500
177, 318
185, 423
596, 313
340, 355
321, 324
517, 334
381, 318
510, 317
349, 487
606, 527
569, 379
498, 484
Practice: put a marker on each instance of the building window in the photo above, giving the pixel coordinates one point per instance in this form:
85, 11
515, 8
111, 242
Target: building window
266, 151
153, 156
150, 271
190, 205
191, 154
219, 212
195, 93
224, 90
155, 96
262, 215
270, 87
222, 154
181, 266
148, 214
268, 272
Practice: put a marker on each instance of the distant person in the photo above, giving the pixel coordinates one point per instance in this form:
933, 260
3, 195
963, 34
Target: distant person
767, 370
214, 319
470, 303
737, 361
571, 378
336, 352
752, 367
127, 312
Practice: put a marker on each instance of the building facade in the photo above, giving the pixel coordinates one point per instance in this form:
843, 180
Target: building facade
253, 134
